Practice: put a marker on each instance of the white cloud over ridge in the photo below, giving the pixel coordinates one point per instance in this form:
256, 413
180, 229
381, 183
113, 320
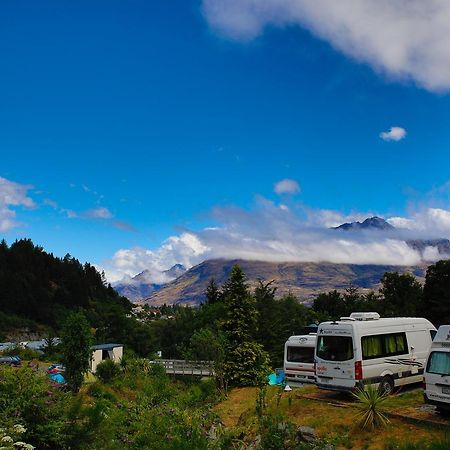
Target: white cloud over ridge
12, 194
268, 233
394, 134
406, 39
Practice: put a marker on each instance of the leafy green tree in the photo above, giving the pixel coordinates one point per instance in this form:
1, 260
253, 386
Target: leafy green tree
401, 295
206, 345
246, 362
330, 305
436, 293
76, 342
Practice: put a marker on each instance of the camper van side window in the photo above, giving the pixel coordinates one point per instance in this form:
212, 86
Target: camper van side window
395, 344
372, 347
382, 345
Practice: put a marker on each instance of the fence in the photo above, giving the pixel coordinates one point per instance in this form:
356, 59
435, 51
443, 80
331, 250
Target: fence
182, 367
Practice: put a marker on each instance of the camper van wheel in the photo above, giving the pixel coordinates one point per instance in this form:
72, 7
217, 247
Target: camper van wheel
443, 411
386, 385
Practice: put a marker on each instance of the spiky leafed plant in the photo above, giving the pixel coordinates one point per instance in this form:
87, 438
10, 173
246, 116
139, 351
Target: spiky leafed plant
370, 400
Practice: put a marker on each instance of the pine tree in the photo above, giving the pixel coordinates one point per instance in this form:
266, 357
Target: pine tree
246, 362
213, 294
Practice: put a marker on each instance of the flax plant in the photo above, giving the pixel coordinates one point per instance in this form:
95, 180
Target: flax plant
370, 400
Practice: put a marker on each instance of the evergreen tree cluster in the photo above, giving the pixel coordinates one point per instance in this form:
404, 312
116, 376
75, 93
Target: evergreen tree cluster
41, 287
39, 291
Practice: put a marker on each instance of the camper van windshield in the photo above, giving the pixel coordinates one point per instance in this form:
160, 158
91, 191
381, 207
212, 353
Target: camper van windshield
300, 354
439, 363
335, 348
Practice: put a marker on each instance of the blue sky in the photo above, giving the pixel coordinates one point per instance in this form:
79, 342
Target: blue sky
132, 121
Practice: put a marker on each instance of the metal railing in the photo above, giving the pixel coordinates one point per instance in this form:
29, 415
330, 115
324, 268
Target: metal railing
183, 367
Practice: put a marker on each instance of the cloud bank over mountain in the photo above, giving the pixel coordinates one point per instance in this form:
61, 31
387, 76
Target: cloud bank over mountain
268, 232
405, 39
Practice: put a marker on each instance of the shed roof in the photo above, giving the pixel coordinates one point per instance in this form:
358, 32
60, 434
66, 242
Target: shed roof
106, 346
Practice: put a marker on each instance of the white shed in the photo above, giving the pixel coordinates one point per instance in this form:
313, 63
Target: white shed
105, 351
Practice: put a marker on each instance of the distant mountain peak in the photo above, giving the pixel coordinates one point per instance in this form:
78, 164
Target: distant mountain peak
146, 282
371, 223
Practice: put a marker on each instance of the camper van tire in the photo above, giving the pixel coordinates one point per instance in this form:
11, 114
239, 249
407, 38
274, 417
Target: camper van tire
386, 386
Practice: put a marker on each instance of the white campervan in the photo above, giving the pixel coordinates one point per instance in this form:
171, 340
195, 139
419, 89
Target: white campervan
366, 349
437, 371
299, 359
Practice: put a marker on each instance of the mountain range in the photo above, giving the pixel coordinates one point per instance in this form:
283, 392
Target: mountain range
303, 279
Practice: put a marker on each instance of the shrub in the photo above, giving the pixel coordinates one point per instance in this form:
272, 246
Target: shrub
370, 400
28, 397
107, 370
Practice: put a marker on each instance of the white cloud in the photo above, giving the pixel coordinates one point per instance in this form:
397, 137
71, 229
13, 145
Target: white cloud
98, 213
406, 39
394, 134
270, 233
330, 218
286, 186
12, 194
431, 222
186, 249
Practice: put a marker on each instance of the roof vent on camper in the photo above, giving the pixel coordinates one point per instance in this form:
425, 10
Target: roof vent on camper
364, 316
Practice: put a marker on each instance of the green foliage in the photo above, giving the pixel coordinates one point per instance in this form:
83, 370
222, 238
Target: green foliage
276, 432
10, 438
76, 342
241, 314
143, 408
107, 370
22, 352
370, 400
436, 293
401, 295
246, 364
29, 398
39, 287
443, 444
206, 345
213, 293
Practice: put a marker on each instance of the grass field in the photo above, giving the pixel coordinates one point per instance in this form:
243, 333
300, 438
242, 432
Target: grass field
334, 423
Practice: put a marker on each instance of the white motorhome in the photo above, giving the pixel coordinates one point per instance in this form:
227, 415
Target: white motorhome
299, 359
437, 371
366, 349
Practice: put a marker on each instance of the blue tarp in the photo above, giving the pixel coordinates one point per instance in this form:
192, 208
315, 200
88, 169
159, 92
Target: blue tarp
58, 378
276, 379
